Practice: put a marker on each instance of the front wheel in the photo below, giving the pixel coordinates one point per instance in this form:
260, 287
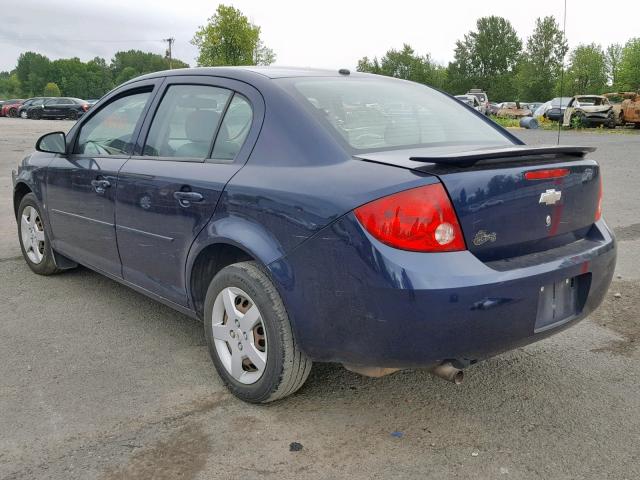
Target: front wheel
34, 241
249, 335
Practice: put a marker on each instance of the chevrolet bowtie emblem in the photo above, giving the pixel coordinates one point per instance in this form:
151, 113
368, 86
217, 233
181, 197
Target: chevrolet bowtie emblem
550, 197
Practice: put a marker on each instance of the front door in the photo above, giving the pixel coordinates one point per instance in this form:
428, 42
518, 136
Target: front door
81, 187
168, 193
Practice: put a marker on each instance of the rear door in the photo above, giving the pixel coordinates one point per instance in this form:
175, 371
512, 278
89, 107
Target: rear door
200, 135
81, 186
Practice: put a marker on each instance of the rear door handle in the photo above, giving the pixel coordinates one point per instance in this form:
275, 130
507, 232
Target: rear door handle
187, 198
100, 185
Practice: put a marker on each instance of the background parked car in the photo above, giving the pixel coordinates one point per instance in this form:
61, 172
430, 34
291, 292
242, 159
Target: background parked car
482, 97
10, 106
22, 110
533, 106
556, 109
58, 107
588, 110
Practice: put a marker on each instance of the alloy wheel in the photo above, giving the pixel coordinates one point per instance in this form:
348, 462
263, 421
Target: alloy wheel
32, 231
239, 335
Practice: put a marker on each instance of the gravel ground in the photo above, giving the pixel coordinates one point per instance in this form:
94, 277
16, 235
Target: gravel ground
99, 382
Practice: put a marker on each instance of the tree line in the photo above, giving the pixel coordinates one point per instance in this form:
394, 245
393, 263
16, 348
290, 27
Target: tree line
492, 57
228, 38
35, 73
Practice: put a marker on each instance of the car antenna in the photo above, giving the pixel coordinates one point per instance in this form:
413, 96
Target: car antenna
564, 39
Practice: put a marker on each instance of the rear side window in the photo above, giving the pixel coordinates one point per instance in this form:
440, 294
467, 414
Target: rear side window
110, 131
186, 121
378, 114
234, 129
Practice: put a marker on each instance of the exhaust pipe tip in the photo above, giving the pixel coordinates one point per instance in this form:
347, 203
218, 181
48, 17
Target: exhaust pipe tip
448, 372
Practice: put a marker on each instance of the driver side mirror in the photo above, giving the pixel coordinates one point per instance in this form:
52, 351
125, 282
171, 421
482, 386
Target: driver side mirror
55, 142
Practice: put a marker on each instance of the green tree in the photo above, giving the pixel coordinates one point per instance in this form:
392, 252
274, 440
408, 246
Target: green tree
71, 76
33, 72
99, 79
629, 71
613, 56
10, 85
542, 61
228, 38
487, 58
141, 62
126, 74
51, 90
587, 72
405, 64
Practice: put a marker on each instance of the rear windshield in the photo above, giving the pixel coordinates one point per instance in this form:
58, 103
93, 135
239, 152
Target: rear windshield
377, 113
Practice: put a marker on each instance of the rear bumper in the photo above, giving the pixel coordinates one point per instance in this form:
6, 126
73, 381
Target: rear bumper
354, 300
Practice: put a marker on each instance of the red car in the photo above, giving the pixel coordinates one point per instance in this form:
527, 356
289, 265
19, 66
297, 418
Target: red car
10, 108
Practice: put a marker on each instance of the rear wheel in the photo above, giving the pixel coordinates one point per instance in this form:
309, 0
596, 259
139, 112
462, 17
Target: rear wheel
34, 241
72, 115
611, 120
13, 113
249, 336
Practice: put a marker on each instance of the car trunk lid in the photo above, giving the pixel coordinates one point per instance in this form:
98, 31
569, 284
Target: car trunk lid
503, 213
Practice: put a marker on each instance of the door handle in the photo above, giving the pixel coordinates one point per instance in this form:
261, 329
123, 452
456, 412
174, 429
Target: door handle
100, 185
185, 199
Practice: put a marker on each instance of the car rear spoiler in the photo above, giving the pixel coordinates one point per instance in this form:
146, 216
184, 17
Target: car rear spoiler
503, 155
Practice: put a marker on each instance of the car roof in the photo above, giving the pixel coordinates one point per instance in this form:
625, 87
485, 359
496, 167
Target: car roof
268, 72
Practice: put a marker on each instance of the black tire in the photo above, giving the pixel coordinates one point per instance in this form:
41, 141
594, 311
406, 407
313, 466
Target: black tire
13, 113
35, 115
47, 265
286, 367
611, 120
72, 115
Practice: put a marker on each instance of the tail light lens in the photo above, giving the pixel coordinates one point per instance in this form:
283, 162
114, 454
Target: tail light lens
599, 206
85, 107
421, 219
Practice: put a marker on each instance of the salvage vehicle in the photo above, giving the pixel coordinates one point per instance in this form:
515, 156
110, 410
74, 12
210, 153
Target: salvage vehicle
514, 110
626, 106
482, 97
556, 109
58, 107
589, 110
420, 235
472, 101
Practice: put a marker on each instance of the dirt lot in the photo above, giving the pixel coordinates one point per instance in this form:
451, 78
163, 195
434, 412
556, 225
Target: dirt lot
98, 382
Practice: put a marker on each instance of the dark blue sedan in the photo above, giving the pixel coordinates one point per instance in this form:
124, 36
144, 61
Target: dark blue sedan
325, 216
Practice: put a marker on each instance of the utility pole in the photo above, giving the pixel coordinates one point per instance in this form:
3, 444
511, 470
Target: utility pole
169, 41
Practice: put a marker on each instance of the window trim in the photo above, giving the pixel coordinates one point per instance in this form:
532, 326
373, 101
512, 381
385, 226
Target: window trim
136, 130
248, 91
156, 108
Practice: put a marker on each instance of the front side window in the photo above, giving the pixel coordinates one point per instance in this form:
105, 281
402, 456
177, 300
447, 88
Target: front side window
110, 131
374, 114
186, 121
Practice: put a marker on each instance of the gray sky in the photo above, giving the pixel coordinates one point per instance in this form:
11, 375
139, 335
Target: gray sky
324, 33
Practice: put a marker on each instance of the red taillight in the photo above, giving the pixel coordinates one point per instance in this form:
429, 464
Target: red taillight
546, 174
599, 206
85, 107
421, 219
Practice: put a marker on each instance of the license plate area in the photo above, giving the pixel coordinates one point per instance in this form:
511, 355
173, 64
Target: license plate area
560, 301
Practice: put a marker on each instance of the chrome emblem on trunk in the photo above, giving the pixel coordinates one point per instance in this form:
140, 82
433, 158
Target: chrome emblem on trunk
548, 221
550, 197
484, 237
